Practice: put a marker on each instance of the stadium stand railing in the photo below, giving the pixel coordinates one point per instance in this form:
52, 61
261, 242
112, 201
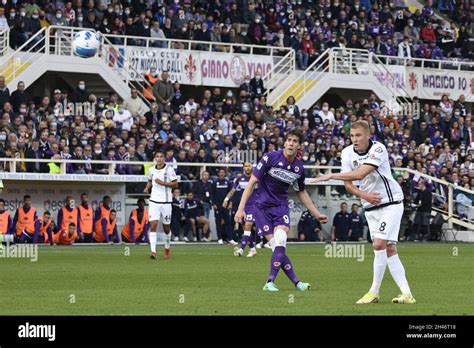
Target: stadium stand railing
57, 41
449, 214
4, 42
308, 86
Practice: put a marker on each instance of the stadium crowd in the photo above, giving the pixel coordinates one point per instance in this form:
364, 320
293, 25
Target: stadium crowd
310, 27
437, 140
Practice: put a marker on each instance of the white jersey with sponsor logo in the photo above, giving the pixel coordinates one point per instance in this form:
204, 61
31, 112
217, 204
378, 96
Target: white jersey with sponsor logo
160, 193
381, 179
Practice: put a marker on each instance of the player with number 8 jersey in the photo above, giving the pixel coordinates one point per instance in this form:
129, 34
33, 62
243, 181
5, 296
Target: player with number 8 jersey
367, 161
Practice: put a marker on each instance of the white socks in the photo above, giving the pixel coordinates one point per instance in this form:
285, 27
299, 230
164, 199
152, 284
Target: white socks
167, 240
398, 273
380, 261
153, 238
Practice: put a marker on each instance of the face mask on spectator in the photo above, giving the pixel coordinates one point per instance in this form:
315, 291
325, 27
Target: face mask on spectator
22, 13
323, 161
127, 12
12, 14
53, 125
247, 81
319, 141
98, 152
404, 151
82, 86
35, 16
59, 15
80, 19
305, 158
101, 127
84, 142
22, 110
3, 137
101, 105
325, 108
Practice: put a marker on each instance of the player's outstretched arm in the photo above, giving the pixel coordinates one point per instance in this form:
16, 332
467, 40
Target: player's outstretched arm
239, 215
357, 174
309, 204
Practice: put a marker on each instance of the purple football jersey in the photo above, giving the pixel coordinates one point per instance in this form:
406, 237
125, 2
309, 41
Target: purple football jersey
240, 184
275, 174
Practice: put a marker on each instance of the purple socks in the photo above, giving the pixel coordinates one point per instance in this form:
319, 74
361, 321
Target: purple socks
280, 260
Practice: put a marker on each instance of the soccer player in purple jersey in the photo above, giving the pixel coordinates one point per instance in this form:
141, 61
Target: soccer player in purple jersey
275, 173
239, 185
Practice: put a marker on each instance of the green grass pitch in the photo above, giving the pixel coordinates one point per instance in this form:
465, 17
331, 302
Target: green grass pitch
209, 280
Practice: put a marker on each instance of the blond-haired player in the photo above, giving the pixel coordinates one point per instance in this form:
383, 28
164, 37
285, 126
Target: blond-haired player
367, 161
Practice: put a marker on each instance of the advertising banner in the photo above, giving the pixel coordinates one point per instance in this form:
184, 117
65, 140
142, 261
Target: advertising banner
432, 84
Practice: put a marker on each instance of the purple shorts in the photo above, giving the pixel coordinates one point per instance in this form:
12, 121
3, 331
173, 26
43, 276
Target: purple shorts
267, 218
249, 214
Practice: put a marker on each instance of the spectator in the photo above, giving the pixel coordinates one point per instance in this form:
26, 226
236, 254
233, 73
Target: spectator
356, 231
19, 96
151, 78
123, 118
220, 189
404, 49
134, 104
194, 215
341, 225
326, 114
34, 152
4, 91
428, 33
78, 168
3, 20
202, 192
309, 228
423, 213
301, 55
163, 92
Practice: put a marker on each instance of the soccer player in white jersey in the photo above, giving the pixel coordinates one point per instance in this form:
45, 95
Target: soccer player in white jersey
382, 198
162, 180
